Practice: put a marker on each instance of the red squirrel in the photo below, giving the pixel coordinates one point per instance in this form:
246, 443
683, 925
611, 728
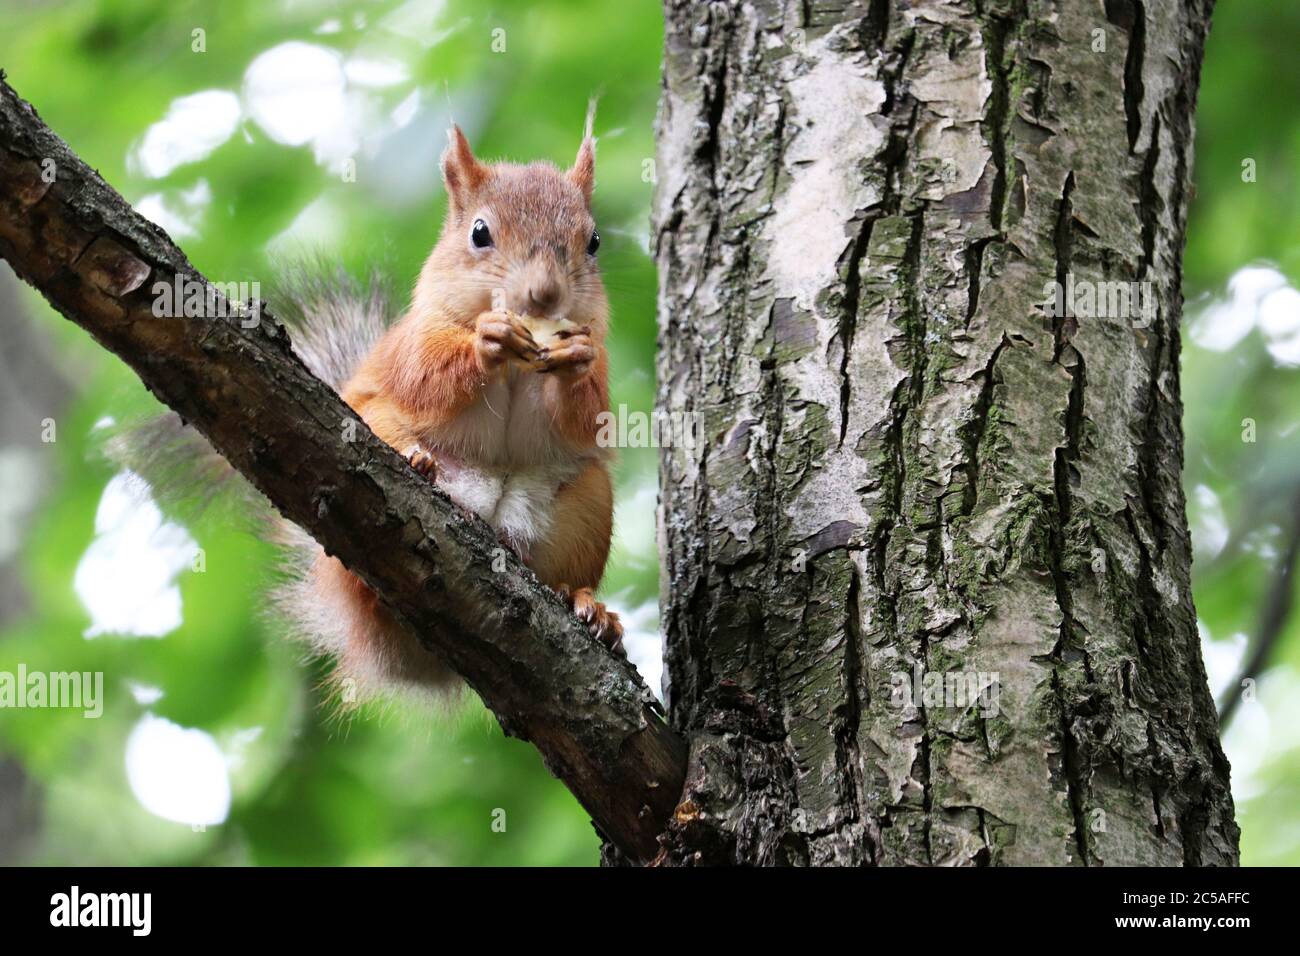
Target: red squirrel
504, 423
491, 384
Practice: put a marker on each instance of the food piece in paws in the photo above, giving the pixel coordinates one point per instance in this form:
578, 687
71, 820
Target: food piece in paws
546, 332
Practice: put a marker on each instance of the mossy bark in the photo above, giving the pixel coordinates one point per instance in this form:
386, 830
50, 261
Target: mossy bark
912, 466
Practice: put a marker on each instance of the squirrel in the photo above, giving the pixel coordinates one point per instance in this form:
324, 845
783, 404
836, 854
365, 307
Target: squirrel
490, 384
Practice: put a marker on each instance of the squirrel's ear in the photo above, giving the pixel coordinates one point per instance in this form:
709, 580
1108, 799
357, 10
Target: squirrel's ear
583, 173
461, 171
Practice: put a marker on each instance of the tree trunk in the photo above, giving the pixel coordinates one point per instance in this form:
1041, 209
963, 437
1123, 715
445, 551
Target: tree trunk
919, 478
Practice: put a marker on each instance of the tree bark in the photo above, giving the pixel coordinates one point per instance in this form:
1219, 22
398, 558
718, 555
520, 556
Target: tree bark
438, 567
915, 469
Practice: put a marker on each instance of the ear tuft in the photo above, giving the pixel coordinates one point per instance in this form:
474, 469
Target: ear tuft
583, 173
462, 173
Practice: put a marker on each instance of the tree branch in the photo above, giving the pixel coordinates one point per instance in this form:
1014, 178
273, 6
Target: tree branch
1273, 617
546, 680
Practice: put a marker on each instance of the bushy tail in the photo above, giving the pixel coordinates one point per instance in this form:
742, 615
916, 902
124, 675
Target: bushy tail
333, 322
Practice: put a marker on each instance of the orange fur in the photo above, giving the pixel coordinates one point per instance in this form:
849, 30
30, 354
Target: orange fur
578, 547
457, 379
414, 378
378, 651
576, 405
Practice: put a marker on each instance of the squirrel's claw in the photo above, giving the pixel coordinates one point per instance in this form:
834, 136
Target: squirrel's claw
502, 335
603, 623
422, 461
573, 355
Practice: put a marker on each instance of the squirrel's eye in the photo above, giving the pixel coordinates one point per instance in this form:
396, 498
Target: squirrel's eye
480, 235
593, 243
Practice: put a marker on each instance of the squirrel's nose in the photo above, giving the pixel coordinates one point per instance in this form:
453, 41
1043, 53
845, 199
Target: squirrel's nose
543, 295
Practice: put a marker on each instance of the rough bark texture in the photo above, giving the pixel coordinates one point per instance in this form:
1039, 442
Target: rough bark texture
910, 466
590, 714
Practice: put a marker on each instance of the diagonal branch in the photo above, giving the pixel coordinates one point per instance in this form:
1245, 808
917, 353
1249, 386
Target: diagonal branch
590, 714
1273, 617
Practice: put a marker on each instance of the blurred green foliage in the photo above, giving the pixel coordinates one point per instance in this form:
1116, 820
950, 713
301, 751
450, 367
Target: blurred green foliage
1239, 374
396, 786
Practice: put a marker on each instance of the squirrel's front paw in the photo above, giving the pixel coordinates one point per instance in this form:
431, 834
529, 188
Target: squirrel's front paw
602, 622
499, 336
422, 460
570, 355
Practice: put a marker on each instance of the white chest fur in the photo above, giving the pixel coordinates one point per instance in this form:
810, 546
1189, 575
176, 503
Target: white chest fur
501, 459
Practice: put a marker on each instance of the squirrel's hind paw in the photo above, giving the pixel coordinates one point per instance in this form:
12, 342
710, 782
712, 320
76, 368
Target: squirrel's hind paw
422, 460
603, 623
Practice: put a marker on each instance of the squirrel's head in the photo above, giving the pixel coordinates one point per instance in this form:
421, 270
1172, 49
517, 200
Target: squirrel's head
517, 238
